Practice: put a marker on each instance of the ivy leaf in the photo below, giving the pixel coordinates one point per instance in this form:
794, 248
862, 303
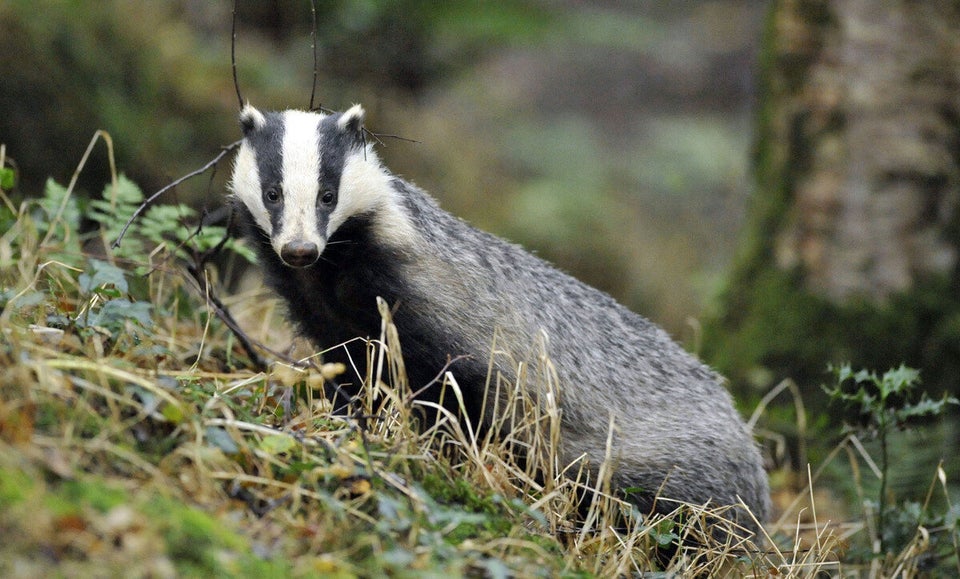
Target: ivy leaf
100, 274
221, 439
114, 315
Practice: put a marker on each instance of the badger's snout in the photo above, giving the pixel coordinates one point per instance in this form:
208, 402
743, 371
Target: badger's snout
299, 253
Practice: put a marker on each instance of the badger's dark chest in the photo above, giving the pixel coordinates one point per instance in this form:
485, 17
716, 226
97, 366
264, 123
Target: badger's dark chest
334, 300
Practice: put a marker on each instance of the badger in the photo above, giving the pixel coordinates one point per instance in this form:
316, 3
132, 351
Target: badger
335, 230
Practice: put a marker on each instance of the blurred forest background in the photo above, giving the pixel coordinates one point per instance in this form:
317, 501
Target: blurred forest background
611, 138
631, 143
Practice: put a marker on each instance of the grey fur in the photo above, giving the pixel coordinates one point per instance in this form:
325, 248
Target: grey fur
455, 287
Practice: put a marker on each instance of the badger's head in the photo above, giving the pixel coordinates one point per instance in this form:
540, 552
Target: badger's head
302, 174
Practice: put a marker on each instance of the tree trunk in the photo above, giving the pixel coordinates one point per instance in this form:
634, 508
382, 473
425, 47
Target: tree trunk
876, 117
854, 234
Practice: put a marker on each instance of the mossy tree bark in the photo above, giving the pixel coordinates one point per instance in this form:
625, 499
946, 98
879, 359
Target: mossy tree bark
854, 234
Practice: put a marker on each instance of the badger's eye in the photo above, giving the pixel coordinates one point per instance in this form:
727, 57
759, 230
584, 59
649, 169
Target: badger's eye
327, 197
272, 196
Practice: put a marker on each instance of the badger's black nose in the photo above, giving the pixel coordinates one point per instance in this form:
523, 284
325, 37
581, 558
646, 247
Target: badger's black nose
299, 253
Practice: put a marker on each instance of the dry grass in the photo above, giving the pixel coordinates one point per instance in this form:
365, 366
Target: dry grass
139, 443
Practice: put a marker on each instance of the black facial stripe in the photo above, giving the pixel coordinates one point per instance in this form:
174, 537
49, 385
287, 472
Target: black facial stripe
323, 217
334, 147
267, 144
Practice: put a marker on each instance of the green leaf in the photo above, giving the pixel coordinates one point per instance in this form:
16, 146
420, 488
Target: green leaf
925, 407
221, 439
242, 250
664, 533
864, 376
115, 313
118, 204
7, 178
278, 444
100, 274
903, 379
126, 192
173, 413
27, 300
54, 198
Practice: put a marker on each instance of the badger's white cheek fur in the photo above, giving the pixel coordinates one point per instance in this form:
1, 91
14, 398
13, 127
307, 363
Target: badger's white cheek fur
246, 187
365, 187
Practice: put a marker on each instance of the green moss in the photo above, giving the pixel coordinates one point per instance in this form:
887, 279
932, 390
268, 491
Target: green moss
775, 325
95, 493
15, 486
457, 491
72, 497
201, 545
498, 518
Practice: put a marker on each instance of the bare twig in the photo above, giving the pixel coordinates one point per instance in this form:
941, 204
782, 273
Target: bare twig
146, 203
439, 377
224, 314
379, 136
233, 53
313, 89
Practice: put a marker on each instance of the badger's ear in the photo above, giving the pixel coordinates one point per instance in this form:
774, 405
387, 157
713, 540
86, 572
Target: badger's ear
251, 120
352, 119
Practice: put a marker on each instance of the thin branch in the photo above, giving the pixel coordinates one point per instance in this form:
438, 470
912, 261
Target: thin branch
439, 377
378, 136
205, 218
233, 53
313, 89
224, 314
152, 198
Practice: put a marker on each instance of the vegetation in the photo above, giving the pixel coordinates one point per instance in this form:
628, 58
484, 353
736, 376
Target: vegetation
875, 406
136, 439
139, 435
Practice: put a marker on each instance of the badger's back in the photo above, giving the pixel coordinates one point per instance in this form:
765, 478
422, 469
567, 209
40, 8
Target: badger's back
673, 418
454, 288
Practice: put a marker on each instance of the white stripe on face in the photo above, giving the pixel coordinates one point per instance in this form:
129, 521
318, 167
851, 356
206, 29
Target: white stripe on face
301, 180
246, 186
